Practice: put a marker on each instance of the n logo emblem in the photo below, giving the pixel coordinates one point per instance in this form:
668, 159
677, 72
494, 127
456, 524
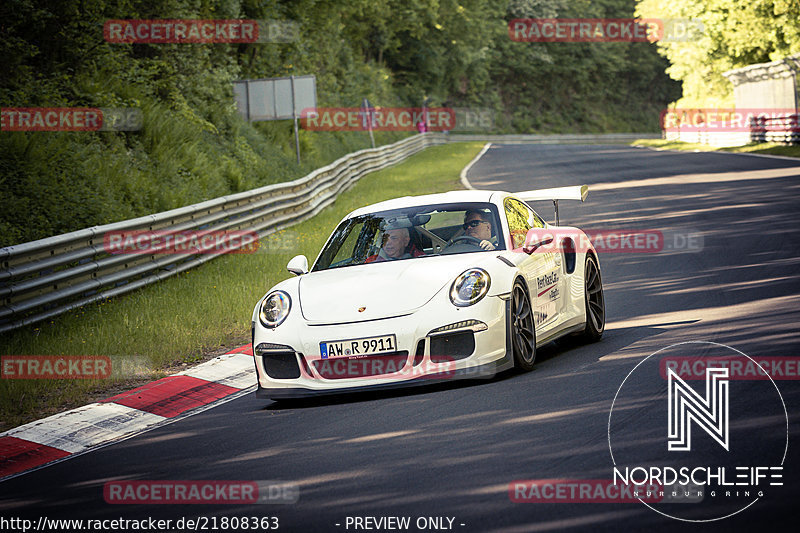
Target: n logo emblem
685, 406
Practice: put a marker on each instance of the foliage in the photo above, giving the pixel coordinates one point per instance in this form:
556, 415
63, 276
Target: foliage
194, 146
736, 34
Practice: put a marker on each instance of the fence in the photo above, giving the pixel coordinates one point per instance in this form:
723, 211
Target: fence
781, 129
44, 278
784, 129
719, 139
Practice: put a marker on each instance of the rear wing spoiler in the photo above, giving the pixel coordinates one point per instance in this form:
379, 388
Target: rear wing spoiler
575, 192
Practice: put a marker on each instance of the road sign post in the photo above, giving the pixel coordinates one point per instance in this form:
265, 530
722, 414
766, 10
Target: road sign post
276, 99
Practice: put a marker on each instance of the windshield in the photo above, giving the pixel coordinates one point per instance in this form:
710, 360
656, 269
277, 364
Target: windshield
410, 233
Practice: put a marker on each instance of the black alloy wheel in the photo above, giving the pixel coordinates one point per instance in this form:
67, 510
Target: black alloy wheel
594, 302
523, 333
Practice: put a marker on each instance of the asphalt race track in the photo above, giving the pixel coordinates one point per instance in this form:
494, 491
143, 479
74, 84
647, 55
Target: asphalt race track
451, 450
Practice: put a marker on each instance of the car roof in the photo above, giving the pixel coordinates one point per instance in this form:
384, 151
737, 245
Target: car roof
440, 198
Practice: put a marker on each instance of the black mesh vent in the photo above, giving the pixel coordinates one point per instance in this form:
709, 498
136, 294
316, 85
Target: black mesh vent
306, 369
452, 346
569, 255
281, 365
420, 352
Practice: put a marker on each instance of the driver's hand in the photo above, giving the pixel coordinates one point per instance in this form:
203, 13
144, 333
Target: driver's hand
486, 245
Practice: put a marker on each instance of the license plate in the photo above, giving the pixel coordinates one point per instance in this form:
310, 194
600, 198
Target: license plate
357, 347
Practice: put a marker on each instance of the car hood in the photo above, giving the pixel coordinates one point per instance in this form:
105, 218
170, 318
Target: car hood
383, 290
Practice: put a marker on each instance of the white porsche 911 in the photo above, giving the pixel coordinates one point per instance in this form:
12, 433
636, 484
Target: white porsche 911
456, 285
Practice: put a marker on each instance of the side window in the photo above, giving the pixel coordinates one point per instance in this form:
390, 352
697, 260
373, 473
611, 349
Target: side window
362, 240
518, 216
348, 247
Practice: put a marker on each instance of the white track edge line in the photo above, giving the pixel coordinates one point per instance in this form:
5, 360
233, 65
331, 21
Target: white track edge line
464, 181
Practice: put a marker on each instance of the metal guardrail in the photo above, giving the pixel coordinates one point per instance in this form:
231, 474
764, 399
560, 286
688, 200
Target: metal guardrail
44, 278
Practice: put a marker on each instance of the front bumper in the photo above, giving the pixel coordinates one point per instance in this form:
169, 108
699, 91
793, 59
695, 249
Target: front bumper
296, 343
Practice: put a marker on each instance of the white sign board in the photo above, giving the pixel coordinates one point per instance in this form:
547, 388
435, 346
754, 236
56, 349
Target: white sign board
272, 98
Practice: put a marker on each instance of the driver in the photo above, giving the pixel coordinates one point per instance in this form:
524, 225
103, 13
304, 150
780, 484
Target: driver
478, 226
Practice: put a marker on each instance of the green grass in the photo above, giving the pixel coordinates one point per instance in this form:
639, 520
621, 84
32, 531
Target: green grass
767, 148
200, 313
756, 148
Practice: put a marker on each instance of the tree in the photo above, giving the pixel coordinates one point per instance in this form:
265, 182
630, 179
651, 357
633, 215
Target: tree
736, 34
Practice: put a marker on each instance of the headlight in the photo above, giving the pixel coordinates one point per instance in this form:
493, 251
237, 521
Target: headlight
274, 309
469, 287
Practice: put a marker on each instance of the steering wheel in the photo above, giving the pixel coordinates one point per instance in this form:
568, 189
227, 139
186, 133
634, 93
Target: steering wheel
467, 240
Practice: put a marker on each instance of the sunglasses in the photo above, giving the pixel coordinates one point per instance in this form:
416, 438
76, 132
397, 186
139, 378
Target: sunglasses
473, 223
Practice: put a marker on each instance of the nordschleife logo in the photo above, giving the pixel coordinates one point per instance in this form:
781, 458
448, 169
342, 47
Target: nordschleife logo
711, 443
685, 406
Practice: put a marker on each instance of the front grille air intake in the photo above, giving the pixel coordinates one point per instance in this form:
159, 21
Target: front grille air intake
452, 346
280, 361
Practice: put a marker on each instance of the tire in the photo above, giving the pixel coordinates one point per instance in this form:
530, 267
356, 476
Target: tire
594, 302
522, 331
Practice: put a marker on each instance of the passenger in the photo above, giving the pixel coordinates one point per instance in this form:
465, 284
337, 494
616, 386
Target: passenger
395, 246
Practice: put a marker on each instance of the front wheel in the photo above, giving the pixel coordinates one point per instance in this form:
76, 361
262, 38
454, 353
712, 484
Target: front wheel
593, 301
523, 334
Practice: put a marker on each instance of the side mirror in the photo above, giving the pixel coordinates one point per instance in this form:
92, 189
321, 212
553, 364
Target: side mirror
536, 238
298, 265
